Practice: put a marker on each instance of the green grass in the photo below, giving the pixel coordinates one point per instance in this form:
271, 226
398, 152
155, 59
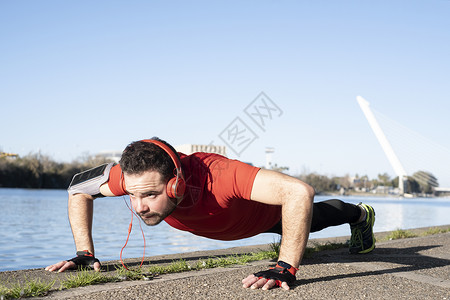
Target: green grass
31, 288
131, 274
435, 230
400, 234
275, 246
405, 234
181, 265
309, 251
86, 277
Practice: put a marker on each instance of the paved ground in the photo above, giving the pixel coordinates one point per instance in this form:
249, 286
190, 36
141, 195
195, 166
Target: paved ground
415, 268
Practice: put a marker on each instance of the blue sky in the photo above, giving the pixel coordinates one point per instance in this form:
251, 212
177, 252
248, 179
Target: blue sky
87, 76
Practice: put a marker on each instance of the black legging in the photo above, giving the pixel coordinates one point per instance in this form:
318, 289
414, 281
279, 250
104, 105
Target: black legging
328, 213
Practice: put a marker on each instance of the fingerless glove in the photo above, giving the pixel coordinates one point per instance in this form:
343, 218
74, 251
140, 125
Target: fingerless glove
84, 259
283, 272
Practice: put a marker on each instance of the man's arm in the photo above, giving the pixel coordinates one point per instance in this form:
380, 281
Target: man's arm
81, 209
296, 199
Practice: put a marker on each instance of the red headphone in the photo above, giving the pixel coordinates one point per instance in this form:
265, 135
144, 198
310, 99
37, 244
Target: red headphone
176, 186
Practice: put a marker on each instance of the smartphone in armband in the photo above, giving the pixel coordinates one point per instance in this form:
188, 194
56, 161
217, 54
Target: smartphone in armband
89, 181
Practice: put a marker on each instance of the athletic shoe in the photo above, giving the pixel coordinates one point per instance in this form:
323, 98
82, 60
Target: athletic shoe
363, 240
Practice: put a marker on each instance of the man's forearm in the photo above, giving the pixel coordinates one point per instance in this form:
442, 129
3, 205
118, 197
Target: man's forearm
81, 209
296, 222
296, 199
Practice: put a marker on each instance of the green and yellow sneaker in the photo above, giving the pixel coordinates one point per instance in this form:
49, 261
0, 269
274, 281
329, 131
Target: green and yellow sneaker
363, 240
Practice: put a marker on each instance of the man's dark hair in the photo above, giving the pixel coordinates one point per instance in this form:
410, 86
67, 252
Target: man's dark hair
140, 156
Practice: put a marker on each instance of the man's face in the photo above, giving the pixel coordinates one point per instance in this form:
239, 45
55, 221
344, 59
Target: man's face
149, 197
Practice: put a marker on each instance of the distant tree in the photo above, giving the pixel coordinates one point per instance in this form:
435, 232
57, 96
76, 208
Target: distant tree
395, 181
384, 179
320, 183
362, 182
40, 171
345, 182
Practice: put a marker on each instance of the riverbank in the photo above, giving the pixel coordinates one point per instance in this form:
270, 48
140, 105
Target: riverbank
420, 266
381, 195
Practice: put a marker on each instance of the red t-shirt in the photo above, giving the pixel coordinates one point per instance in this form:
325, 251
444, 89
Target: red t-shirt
217, 202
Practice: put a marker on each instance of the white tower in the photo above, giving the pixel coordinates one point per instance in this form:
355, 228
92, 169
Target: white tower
387, 148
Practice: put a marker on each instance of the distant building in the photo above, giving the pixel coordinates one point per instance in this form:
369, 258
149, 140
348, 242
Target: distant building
192, 148
186, 149
111, 155
441, 191
9, 155
269, 151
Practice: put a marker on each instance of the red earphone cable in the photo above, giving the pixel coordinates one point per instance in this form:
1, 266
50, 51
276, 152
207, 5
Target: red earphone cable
128, 236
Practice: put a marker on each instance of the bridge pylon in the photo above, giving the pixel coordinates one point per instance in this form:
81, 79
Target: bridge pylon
387, 148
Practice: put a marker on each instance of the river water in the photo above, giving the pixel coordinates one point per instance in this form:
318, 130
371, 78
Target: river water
35, 231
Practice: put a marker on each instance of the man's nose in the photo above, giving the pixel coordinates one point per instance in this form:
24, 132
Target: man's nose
139, 205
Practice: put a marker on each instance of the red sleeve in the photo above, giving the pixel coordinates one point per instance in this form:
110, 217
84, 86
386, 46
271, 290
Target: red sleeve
115, 182
244, 177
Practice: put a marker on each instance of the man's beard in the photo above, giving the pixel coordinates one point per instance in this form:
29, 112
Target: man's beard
154, 218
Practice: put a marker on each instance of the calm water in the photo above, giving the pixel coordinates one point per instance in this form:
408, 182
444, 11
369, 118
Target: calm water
35, 231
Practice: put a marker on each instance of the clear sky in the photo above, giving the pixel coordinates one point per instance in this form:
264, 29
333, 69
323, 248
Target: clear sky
81, 77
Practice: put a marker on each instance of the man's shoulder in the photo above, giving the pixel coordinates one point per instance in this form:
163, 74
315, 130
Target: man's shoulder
202, 156
205, 164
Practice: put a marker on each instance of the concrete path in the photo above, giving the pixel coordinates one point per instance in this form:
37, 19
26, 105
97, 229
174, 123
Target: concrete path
414, 268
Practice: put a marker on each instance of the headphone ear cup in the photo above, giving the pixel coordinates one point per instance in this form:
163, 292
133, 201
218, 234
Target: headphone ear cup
174, 188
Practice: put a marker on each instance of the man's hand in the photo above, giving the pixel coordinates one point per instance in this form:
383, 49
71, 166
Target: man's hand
254, 282
83, 259
282, 275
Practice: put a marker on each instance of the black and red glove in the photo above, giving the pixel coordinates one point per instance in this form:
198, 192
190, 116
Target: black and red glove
282, 272
84, 259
